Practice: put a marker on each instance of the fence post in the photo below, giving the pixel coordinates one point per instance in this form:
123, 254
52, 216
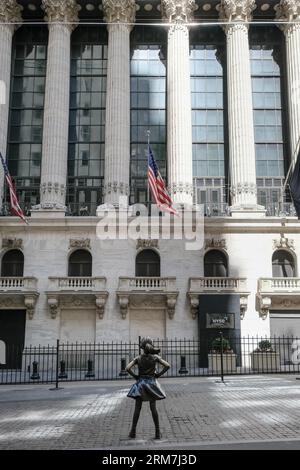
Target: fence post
183, 369
123, 372
35, 375
90, 372
63, 374
140, 345
222, 357
57, 363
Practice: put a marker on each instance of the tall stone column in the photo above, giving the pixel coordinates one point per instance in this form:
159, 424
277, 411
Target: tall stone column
179, 110
289, 10
240, 108
117, 123
62, 16
10, 16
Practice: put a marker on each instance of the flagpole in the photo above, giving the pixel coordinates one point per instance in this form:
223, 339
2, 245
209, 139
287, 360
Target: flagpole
148, 188
290, 167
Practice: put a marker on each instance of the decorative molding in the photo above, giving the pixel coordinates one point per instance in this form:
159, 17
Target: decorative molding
10, 12
61, 11
54, 188
146, 243
119, 11
153, 301
12, 243
284, 243
243, 306
80, 243
115, 187
11, 302
178, 11
212, 243
245, 188
180, 187
237, 10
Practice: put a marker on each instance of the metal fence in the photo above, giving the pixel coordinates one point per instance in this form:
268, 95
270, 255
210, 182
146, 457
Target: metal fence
187, 357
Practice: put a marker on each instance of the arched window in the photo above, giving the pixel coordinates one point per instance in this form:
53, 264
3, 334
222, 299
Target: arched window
215, 264
147, 264
283, 264
80, 264
12, 264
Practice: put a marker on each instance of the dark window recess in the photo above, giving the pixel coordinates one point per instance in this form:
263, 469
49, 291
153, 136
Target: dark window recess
147, 264
283, 264
215, 264
12, 264
80, 264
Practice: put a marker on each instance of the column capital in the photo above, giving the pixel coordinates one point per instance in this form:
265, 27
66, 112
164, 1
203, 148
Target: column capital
119, 11
61, 11
10, 12
239, 11
178, 11
288, 10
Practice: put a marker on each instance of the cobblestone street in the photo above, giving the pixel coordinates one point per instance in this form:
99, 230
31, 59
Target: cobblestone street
197, 411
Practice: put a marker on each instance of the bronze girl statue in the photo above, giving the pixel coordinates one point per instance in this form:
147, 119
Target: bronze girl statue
146, 387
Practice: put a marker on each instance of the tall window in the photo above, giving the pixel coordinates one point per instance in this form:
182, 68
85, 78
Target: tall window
87, 119
147, 264
207, 82
215, 264
12, 264
269, 124
148, 106
80, 264
26, 112
283, 264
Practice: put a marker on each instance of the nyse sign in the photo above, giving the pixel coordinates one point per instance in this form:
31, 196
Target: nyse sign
220, 320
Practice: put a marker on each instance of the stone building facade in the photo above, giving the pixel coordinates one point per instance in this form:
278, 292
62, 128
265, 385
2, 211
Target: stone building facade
215, 86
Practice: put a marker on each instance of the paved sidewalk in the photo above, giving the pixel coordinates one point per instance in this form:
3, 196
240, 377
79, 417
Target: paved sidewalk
198, 413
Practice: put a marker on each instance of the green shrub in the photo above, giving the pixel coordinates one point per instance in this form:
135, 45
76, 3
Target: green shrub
265, 346
216, 345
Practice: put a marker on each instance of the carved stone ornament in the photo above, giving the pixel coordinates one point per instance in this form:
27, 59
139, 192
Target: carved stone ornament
171, 304
212, 243
124, 304
29, 303
146, 243
53, 306
12, 243
194, 301
61, 11
80, 243
119, 11
264, 307
243, 306
283, 243
115, 187
237, 10
288, 10
10, 12
100, 304
245, 188
178, 11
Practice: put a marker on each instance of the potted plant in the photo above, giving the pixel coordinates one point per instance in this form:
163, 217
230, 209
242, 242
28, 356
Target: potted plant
215, 357
265, 358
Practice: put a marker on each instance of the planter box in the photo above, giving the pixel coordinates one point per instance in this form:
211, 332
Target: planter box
265, 361
229, 363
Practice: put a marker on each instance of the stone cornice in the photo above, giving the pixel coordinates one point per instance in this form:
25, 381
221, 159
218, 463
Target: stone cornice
239, 11
10, 12
61, 11
178, 11
119, 11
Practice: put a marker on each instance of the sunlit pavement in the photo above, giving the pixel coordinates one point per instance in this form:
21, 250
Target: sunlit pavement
245, 412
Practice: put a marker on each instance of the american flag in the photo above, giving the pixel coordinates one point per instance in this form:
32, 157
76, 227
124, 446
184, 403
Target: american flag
14, 203
158, 187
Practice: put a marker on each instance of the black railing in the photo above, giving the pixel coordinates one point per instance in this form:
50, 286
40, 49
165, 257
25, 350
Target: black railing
187, 357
